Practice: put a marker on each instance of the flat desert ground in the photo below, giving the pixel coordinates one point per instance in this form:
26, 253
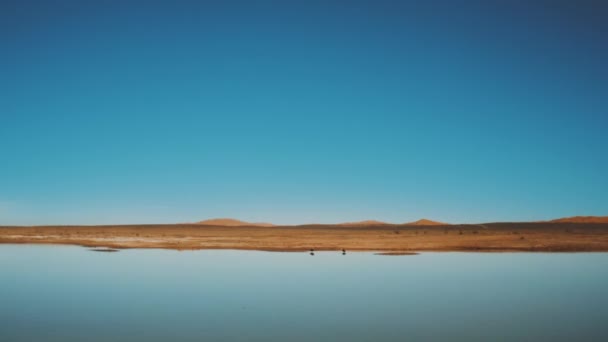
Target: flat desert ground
537, 237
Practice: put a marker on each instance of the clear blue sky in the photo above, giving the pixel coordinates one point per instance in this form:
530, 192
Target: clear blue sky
302, 111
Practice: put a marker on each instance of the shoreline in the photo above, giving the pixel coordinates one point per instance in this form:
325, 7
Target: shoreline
492, 238
388, 252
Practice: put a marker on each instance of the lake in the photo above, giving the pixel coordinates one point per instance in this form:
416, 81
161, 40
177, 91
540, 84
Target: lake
68, 293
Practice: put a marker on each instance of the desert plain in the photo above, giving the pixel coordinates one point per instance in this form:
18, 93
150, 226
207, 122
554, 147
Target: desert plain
550, 236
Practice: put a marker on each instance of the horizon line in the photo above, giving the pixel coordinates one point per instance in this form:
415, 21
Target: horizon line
420, 222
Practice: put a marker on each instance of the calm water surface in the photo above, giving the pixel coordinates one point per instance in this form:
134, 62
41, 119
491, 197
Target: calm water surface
60, 293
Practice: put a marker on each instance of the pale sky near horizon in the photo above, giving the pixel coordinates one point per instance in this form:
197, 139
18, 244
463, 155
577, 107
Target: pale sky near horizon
303, 111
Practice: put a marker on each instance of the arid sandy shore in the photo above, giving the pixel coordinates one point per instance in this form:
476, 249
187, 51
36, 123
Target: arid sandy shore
545, 237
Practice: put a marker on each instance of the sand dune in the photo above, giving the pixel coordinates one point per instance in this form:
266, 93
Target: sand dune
425, 222
421, 222
582, 219
363, 223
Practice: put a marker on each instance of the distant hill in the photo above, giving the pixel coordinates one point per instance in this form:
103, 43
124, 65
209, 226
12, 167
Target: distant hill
425, 222
582, 219
364, 223
228, 222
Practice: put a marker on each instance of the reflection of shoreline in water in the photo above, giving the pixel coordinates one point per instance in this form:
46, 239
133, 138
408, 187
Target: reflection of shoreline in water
104, 250
397, 253
67, 293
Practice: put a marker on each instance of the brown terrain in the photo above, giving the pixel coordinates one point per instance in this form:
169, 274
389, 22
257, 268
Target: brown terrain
371, 236
366, 223
583, 219
425, 222
228, 222
369, 223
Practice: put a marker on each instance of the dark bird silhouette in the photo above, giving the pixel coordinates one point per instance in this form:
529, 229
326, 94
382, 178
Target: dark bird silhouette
311, 253
343, 251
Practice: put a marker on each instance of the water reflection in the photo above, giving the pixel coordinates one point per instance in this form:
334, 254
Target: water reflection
61, 293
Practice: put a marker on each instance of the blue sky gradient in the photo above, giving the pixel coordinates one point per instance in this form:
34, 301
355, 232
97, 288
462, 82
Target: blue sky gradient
297, 112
